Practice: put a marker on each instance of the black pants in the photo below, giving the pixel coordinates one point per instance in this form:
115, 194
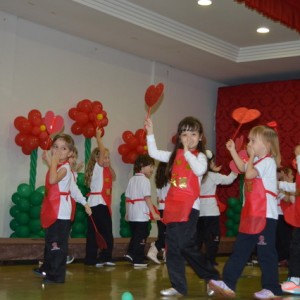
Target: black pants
136, 247
294, 262
182, 246
266, 255
103, 221
56, 250
161, 234
208, 234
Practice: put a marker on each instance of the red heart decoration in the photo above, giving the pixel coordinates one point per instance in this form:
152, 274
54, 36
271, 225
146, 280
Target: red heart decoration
153, 94
54, 124
244, 115
244, 156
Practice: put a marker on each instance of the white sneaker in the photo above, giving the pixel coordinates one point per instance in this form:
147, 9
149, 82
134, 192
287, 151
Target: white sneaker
220, 287
141, 265
109, 264
290, 287
152, 253
164, 255
70, 259
170, 292
209, 291
128, 257
99, 265
264, 294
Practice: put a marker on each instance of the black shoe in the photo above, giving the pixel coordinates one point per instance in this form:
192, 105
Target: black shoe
39, 272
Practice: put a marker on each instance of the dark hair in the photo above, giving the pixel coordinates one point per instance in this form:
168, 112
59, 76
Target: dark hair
142, 160
187, 124
209, 160
161, 178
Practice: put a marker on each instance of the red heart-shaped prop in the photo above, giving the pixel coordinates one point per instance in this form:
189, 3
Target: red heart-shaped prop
244, 156
153, 94
54, 124
244, 115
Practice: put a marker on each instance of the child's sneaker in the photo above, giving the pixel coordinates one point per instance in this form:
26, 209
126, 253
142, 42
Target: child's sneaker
264, 294
170, 292
152, 253
70, 259
290, 287
220, 287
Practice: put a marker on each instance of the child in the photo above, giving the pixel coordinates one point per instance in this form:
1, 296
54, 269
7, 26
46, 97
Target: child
58, 208
186, 166
138, 208
208, 226
162, 187
98, 177
292, 285
284, 230
258, 217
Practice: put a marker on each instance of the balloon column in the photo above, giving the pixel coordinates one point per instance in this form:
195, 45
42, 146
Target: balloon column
233, 213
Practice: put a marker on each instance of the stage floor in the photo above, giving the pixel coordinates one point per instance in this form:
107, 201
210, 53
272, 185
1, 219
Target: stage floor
17, 281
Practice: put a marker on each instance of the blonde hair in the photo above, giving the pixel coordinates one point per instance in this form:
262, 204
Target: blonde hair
68, 140
270, 139
91, 164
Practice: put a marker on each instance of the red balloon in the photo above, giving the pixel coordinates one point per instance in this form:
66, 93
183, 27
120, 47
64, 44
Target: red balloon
97, 107
85, 105
92, 116
45, 144
140, 134
153, 94
132, 143
72, 113
32, 142
127, 135
123, 149
76, 129
43, 136
89, 131
140, 149
26, 149
132, 156
26, 127
34, 113
82, 118
20, 139
18, 122
36, 131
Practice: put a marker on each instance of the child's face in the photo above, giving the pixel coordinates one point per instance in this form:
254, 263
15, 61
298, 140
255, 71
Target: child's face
148, 170
191, 138
61, 149
257, 146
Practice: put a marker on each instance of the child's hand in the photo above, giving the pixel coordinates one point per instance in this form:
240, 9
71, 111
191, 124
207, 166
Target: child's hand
148, 126
79, 167
250, 152
216, 168
156, 216
230, 145
88, 210
297, 150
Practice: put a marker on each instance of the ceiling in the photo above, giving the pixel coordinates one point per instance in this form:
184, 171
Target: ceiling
218, 42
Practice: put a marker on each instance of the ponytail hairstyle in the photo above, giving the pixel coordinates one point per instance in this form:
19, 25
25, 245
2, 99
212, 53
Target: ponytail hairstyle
161, 178
90, 166
187, 124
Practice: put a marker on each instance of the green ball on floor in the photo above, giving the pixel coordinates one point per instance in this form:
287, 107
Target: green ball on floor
127, 296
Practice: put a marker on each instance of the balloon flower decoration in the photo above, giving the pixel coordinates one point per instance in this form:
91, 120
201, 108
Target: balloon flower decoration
153, 95
88, 115
35, 130
135, 144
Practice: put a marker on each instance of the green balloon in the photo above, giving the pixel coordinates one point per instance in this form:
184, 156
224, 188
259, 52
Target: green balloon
25, 190
22, 231
13, 235
35, 212
22, 218
13, 224
127, 296
238, 208
125, 232
123, 197
41, 190
80, 215
78, 235
229, 224
16, 198
36, 198
24, 205
229, 213
78, 227
80, 179
14, 210
232, 202
236, 218
230, 233
42, 233
35, 226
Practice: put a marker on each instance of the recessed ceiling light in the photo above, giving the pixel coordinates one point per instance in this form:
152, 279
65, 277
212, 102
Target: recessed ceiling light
204, 2
262, 30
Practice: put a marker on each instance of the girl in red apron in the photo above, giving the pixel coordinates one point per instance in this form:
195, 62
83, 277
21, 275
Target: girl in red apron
291, 211
186, 166
208, 226
258, 217
58, 208
99, 176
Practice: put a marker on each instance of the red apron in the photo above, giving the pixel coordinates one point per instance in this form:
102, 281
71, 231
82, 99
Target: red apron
291, 211
51, 202
106, 188
184, 190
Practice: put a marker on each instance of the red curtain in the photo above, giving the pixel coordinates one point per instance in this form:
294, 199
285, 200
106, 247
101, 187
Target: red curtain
285, 11
277, 101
